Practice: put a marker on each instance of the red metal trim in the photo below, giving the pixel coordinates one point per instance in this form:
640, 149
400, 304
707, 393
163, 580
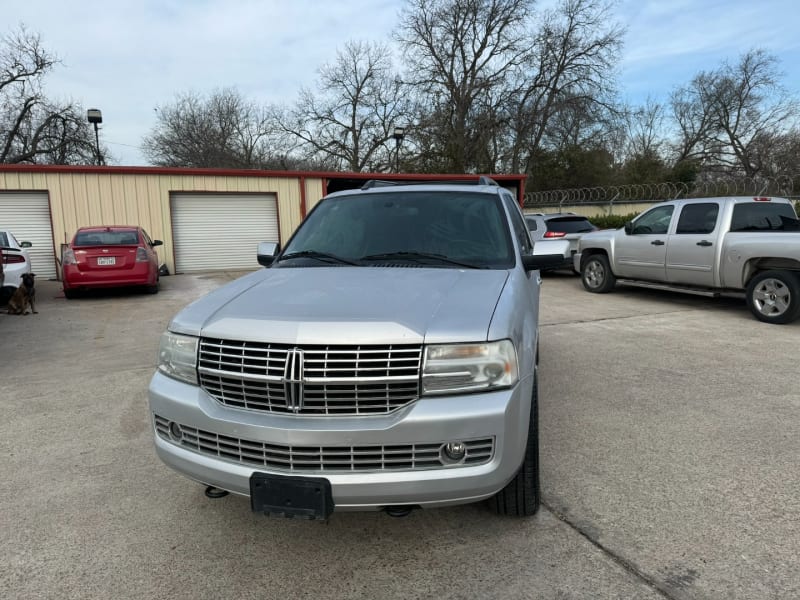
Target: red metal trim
302, 198
124, 170
324, 186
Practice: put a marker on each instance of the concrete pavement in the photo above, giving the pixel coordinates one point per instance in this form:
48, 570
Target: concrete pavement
669, 442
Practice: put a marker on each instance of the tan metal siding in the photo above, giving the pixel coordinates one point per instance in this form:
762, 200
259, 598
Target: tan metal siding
313, 193
82, 199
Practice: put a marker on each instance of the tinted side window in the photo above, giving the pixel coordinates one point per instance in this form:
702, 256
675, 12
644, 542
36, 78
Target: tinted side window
531, 223
698, 218
763, 216
655, 221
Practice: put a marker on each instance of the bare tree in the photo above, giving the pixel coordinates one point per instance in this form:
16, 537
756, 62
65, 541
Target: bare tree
567, 76
221, 130
459, 55
33, 128
727, 117
348, 121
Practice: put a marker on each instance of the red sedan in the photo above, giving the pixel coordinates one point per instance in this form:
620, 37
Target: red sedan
105, 257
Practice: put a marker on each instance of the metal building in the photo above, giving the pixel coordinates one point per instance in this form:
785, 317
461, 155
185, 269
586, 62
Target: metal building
208, 219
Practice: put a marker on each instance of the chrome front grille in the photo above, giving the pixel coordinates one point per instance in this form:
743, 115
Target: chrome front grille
326, 459
310, 380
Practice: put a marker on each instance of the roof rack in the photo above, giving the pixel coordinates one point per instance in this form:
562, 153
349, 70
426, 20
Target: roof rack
482, 180
378, 183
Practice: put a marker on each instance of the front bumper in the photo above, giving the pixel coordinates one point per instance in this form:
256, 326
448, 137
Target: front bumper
501, 416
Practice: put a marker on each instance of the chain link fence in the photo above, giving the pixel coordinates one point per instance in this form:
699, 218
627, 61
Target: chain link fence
656, 192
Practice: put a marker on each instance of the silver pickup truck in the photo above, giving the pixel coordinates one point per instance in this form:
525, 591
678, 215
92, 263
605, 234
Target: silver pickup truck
706, 246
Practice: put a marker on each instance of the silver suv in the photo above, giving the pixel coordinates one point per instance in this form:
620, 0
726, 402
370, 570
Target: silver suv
559, 226
385, 359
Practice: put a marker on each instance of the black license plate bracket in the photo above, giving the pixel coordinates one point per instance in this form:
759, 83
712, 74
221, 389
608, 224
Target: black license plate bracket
290, 496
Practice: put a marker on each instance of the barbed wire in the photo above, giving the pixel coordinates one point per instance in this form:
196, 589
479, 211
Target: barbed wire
655, 192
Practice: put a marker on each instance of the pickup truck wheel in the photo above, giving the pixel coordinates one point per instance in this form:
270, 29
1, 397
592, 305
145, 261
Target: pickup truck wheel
520, 497
774, 296
596, 274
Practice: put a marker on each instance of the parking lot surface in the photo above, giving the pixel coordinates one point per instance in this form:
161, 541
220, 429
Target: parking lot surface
670, 435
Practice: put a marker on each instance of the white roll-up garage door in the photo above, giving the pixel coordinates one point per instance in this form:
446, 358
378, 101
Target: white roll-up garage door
27, 216
221, 232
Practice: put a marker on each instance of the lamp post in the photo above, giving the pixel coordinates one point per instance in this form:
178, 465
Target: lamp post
94, 116
398, 135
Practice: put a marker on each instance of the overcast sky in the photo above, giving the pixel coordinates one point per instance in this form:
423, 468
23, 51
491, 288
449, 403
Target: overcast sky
127, 57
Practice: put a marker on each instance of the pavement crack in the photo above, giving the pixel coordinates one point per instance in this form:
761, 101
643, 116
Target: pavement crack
625, 317
626, 564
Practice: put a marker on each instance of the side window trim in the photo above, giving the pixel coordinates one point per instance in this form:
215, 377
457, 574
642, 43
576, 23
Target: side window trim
521, 232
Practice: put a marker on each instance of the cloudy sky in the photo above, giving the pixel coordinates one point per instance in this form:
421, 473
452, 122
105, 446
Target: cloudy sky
127, 57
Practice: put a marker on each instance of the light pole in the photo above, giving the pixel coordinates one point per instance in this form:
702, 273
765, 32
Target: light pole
94, 116
398, 135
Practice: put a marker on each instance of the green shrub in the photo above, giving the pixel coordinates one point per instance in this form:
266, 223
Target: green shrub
611, 221
797, 208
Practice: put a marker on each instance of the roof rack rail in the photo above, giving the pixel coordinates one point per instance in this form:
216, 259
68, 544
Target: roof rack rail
380, 183
482, 180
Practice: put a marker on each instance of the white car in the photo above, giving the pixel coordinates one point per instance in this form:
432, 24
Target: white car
16, 261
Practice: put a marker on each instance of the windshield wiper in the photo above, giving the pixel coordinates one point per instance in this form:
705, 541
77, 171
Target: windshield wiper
321, 256
418, 257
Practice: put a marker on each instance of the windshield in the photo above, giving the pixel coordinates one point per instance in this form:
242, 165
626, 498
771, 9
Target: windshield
435, 228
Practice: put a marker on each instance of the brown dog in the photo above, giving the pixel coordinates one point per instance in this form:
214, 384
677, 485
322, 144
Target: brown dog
24, 297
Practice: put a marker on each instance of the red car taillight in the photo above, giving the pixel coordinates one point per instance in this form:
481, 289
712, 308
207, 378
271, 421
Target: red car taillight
11, 259
141, 255
68, 258
555, 234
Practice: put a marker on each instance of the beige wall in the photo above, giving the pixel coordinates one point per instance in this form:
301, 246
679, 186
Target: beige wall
590, 210
81, 199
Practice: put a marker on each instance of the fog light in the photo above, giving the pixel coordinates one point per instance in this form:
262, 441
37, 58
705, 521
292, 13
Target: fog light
455, 451
175, 431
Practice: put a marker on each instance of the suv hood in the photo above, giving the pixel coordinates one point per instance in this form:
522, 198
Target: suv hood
361, 305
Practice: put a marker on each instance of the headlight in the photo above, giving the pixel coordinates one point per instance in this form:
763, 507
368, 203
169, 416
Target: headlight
177, 356
449, 368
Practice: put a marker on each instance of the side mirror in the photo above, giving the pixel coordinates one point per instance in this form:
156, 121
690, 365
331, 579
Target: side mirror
548, 254
629, 227
26, 244
538, 262
266, 253
157, 243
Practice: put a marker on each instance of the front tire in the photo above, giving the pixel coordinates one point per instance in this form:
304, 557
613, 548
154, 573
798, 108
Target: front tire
520, 498
774, 296
596, 274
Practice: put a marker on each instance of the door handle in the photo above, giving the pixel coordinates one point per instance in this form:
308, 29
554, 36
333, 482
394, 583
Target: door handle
704, 243
657, 243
